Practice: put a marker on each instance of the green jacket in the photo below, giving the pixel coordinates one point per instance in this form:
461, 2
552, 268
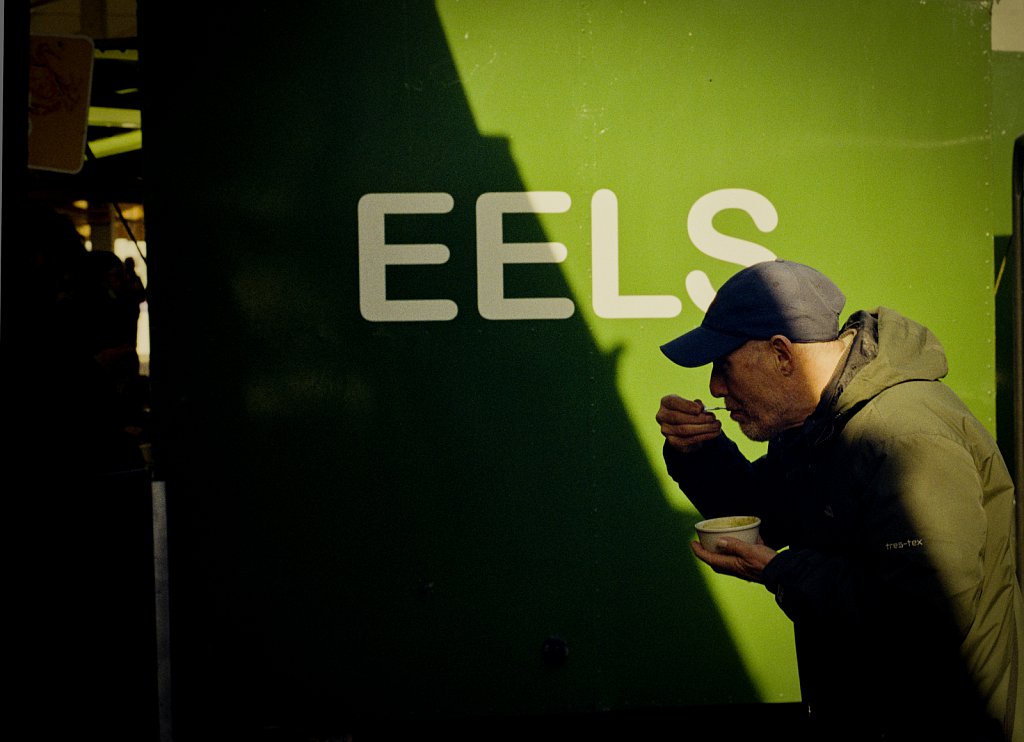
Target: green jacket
894, 515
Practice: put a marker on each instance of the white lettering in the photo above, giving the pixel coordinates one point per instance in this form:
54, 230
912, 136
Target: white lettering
375, 255
493, 253
604, 238
723, 247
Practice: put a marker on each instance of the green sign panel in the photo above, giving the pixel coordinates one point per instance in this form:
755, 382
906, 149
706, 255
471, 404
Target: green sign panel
418, 311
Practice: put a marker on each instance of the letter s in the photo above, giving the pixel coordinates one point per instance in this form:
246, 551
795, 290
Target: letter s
721, 246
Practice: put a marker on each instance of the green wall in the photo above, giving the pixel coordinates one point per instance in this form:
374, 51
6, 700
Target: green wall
407, 416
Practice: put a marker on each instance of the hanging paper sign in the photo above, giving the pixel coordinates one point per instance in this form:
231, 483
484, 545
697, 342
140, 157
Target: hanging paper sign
59, 83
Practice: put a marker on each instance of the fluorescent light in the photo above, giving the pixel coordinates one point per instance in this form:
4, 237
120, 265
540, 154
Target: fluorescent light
120, 118
116, 145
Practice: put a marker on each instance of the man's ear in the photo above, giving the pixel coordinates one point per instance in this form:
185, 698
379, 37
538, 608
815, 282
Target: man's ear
781, 348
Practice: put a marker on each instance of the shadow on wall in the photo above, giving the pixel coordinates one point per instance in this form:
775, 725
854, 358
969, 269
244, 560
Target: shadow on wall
383, 520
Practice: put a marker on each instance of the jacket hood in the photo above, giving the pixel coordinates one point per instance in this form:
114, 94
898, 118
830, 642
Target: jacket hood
889, 349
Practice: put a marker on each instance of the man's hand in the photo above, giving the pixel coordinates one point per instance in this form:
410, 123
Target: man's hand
685, 424
736, 558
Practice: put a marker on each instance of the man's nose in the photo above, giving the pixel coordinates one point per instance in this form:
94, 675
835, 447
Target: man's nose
717, 385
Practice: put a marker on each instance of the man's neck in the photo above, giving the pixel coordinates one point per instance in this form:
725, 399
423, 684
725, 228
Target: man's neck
832, 361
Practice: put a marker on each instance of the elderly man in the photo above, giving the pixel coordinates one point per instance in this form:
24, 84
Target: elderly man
887, 512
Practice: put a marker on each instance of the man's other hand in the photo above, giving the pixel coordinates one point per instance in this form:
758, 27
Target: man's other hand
685, 424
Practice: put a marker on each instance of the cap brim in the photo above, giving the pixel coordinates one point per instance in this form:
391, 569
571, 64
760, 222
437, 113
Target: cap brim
700, 346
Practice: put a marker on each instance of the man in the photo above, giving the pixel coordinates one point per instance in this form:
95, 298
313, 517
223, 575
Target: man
888, 533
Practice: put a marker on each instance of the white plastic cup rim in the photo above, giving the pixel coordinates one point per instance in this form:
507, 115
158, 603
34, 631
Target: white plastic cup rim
728, 524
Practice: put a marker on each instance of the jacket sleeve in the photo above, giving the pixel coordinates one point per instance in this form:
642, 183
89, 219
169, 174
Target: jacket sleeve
717, 478
937, 489
916, 551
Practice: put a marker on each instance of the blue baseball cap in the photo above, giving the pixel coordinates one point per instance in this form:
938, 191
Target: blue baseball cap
776, 297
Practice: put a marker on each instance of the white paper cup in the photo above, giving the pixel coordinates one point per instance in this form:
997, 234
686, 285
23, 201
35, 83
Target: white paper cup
743, 527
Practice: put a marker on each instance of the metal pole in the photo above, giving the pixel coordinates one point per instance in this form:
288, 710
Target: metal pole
1017, 366
163, 632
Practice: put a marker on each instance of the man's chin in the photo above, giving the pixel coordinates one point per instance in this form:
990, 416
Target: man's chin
755, 432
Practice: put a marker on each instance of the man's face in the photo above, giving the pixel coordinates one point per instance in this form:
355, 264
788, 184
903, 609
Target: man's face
758, 395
